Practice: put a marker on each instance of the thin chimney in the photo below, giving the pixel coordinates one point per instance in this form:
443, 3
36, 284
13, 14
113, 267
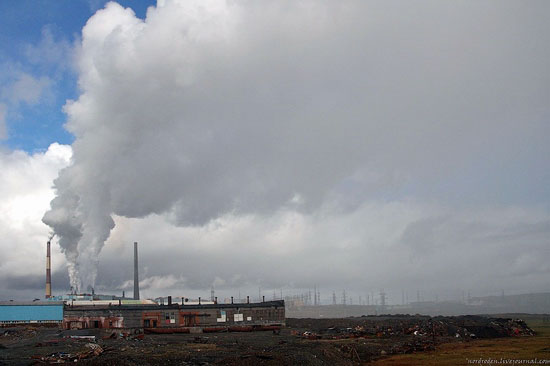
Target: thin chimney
48, 272
136, 276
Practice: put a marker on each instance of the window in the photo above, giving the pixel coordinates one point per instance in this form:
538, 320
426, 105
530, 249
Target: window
170, 317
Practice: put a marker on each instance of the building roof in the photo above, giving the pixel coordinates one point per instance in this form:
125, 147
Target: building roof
30, 303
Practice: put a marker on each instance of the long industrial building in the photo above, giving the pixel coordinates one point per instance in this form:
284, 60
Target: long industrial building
178, 318
151, 318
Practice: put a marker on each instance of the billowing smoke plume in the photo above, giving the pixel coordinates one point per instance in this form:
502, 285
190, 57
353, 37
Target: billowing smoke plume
210, 107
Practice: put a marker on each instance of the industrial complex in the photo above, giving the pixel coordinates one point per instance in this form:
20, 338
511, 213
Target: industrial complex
88, 311
100, 329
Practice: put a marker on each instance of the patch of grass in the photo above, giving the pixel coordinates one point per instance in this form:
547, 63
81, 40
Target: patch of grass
519, 348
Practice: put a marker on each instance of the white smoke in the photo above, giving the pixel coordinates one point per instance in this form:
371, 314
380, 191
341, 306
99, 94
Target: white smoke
213, 107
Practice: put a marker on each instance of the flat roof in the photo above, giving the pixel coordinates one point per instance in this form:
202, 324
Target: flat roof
31, 303
266, 304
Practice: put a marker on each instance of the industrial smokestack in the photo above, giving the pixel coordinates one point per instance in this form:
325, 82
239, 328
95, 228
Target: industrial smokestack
136, 276
48, 272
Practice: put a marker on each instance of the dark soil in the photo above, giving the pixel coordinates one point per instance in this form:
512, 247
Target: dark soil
350, 341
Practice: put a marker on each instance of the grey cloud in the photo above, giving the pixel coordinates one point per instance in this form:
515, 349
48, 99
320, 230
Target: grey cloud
212, 108
394, 246
60, 281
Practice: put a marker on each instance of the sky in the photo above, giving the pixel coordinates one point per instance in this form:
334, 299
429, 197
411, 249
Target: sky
276, 146
37, 39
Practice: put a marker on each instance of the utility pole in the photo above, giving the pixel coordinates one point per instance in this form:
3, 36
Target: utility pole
333, 298
318, 297
315, 295
382, 298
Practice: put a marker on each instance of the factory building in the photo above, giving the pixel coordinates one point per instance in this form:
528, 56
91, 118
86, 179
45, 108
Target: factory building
178, 318
152, 318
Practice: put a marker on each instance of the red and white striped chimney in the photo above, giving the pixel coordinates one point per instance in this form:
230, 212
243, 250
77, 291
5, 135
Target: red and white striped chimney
48, 272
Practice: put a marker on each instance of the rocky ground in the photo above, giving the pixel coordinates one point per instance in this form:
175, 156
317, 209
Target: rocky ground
349, 341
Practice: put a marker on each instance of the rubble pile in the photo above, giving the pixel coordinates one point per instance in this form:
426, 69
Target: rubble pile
465, 327
17, 333
93, 349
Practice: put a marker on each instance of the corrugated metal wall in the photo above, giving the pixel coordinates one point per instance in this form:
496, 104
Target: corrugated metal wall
31, 313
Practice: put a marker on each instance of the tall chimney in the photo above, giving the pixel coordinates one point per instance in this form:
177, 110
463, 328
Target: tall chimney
136, 276
48, 272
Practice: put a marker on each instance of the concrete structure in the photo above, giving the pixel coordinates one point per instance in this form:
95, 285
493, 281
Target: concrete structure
136, 275
43, 312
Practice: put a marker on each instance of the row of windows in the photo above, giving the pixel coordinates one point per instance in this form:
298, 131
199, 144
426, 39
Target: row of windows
28, 321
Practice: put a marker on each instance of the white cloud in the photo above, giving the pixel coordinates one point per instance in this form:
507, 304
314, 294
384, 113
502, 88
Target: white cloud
380, 244
50, 52
26, 88
161, 282
25, 191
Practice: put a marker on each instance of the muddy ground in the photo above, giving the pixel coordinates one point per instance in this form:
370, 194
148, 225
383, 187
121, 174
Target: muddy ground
349, 341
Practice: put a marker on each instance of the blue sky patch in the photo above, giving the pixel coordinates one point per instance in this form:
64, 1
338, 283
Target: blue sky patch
36, 73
